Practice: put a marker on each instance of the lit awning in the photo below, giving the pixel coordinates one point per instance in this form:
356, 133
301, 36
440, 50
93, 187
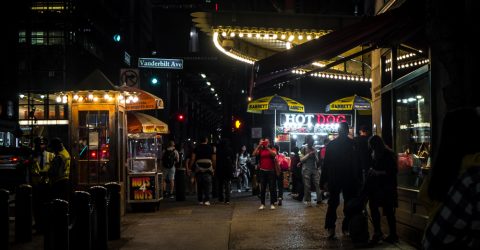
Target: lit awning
146, 100
392, 27
143, 123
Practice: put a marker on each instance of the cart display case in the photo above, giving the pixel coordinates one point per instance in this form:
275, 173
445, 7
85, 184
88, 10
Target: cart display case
144, 177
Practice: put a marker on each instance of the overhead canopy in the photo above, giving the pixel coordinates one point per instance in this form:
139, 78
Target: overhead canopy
392, 27
143, 123
146, 100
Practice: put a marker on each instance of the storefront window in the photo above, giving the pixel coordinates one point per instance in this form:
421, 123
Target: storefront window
94, 148
412, 131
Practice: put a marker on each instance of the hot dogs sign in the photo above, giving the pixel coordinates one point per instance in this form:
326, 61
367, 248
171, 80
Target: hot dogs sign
142, 188
311, 122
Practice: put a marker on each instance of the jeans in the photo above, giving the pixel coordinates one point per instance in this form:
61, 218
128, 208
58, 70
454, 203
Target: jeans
309, 175
279, 179
268, 177
391, 220
349, 192
223, 188
204, 186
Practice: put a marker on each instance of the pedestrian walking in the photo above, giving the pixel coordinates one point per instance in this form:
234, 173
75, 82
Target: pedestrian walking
310, 171
204, 159
224, 170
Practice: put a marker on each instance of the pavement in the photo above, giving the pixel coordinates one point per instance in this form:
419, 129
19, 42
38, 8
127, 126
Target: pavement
239, 225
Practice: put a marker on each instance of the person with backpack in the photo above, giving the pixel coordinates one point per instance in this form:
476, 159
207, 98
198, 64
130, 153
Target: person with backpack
59, 171
170, 159
204, 161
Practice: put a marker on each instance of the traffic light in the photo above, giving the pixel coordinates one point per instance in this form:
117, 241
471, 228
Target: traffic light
154, 80
238, 124
180, 117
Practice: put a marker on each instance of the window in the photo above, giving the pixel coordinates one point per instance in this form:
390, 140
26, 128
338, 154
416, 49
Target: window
21, 37
94, 147
412, 131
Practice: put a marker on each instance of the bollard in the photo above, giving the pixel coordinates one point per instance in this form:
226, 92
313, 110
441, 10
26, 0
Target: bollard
57, 230
23, 213
4, 223
99, 198
114, 220
180, 176
82, 228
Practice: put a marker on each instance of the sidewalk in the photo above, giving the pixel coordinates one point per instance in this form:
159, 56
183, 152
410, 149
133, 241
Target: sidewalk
240, 225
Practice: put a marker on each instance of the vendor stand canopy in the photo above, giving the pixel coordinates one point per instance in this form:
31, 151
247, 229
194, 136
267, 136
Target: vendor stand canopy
273, 103
143, 123
349, 103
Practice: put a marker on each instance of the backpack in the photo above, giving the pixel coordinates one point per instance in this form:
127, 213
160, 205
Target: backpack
57, 168
169, 158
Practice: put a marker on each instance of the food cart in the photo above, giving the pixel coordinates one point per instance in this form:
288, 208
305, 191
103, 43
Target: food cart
144, 150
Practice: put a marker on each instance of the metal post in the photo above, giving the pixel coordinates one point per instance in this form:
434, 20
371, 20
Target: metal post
355, 122
275, 127
99, 198
4, 223
114, 220
57, 234
82, 228
23, 213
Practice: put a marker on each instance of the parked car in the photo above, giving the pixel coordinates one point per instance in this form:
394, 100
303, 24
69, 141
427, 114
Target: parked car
15, 164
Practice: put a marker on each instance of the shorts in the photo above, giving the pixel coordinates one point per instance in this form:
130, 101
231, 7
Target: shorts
169, 173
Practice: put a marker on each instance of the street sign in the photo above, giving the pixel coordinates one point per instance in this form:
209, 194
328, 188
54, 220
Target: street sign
126, 58
130, 77
160, 63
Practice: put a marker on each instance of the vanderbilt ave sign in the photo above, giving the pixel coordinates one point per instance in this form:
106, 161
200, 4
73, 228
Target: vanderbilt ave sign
160, 63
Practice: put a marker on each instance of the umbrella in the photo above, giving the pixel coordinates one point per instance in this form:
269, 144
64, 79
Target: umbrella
273, 103
354, 102
143, 123
146, 100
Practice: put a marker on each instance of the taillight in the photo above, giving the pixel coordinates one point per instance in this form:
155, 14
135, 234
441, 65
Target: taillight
93, 154
14, 159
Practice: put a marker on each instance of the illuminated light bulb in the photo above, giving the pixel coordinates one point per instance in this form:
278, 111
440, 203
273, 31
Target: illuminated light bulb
75, 97
240, 35
300, 37
335, 76
224, 34
42, 96
59, 99
216, 94
106, 96
220, 103
257, 35
249, 98
293, 71
22, 95
90, 96
291, 37
212, 89
348, 78
283, 36
128, 101
208, 83
309, 37
64, 99
274, 36
357, 79
232, 34
316, 37
419, 97
249, 35
95, 99
120, 97
288, 45
80, 99
135, 99
266, 36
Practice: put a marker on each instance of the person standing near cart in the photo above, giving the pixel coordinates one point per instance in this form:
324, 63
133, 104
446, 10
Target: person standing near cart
170, 159
204, 161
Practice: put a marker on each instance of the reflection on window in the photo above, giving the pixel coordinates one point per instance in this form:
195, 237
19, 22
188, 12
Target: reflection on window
35, 106
94, 148
42, 37
412, 137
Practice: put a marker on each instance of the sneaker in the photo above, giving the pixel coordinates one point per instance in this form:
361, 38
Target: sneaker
331, 234
239, 190
272, 207
261, 207
207, 203
392, 239
200, 203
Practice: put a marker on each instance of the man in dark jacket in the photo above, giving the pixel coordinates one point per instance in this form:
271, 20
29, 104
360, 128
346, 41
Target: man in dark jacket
224, 170
341, 176
364, 154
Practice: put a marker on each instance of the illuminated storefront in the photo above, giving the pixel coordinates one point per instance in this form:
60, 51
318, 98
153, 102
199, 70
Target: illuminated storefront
295, 127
